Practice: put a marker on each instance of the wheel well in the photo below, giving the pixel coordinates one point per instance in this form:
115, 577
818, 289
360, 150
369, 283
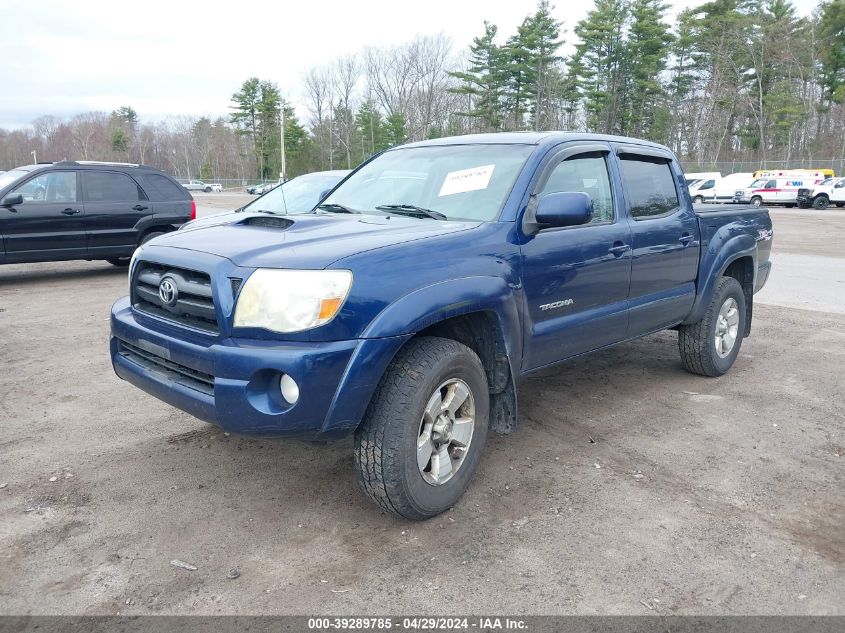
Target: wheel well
742, 269
482, 333
155, 229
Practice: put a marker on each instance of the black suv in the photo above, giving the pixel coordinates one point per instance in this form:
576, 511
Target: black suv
86, 210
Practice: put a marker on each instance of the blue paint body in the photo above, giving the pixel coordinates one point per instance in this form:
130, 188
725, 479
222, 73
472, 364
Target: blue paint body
625, 279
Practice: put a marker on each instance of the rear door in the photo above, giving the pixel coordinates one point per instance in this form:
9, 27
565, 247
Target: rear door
50, 223
665, 241
115, 206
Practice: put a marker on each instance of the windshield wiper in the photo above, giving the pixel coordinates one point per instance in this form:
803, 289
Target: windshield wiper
412, 210
332, 207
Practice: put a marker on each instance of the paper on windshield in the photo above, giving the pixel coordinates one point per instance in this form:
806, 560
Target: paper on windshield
465, 180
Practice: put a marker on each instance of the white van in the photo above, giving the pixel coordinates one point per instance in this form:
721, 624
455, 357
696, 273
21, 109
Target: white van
703, 189
726, 187
771, 191
828, 191
703, 175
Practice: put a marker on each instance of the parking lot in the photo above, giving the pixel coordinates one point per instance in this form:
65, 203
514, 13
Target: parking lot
631, 487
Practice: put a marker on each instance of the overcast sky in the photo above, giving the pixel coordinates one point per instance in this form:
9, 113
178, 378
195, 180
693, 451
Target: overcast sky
178, 57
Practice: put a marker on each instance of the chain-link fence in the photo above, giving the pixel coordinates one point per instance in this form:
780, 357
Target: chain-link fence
229, 184
741, 166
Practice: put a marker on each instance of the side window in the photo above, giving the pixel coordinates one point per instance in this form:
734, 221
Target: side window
650, 186
771, 185
163, 188
587, 173
57, 186
708, 185
109, 186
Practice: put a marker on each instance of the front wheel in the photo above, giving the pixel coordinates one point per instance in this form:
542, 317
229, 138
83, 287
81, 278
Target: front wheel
840, 204
820, 202
710, 346
208, 189
422, 436
757, 201
698, 200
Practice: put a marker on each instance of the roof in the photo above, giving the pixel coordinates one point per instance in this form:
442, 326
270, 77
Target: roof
532, 138
84, 164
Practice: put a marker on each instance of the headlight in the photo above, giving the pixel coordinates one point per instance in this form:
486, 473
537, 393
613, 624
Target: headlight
291, 300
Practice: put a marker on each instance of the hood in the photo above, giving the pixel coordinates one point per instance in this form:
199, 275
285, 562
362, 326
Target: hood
212, 220
303, 241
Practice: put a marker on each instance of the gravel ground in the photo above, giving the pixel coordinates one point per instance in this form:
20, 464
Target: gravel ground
630, 487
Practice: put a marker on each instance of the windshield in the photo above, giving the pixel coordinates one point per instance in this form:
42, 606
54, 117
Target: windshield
826, 181
298, 195
759, 183
11, 176
460, 182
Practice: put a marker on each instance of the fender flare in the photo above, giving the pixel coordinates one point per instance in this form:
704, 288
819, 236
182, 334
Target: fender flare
392, 328
721, 252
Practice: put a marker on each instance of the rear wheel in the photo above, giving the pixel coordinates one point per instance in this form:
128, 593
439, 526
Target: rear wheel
421, 439
840, 204
208, 189
789, 206
821, 202
710, 346
757, 201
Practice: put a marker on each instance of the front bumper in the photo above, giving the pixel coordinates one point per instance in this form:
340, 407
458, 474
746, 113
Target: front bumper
234, 383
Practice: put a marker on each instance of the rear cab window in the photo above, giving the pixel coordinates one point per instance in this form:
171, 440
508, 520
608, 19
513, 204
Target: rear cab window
649, 185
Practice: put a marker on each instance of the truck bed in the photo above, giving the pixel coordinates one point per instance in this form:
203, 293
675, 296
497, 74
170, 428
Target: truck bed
726, 209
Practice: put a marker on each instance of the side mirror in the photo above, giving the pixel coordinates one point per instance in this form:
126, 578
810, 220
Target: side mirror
569, 208
12, 200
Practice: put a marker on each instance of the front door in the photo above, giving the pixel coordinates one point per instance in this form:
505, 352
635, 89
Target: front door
114, 208
576, 278
49, 224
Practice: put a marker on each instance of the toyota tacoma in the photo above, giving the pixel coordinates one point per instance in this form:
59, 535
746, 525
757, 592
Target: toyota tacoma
406, 306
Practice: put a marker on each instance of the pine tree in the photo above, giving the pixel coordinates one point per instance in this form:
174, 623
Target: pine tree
601, 54
647, 51
483, 82
541, 37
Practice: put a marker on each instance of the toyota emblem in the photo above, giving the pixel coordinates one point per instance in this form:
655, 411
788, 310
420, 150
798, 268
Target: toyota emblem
167, 292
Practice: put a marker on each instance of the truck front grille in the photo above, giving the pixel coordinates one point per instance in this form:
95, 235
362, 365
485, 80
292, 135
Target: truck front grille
173, 371
186, 297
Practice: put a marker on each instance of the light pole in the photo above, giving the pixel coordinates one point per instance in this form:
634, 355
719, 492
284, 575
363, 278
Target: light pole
282, 146
34, 157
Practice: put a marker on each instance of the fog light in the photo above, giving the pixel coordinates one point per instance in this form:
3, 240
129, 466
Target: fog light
290, 390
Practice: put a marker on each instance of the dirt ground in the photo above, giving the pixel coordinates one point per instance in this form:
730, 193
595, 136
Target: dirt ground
630, 487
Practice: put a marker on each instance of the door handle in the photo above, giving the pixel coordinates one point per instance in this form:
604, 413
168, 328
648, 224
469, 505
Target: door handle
70, 211
685, 239
618, 249
139, 207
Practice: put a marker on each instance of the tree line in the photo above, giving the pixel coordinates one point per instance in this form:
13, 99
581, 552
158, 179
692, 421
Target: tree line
727, 80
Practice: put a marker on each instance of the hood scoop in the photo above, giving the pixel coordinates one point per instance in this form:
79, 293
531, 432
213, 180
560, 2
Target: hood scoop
267, 222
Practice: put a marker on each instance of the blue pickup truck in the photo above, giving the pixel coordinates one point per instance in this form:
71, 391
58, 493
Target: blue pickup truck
405, 307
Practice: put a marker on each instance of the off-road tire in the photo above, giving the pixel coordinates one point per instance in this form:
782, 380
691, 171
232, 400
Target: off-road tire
385, 442
696, 341
821, 202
